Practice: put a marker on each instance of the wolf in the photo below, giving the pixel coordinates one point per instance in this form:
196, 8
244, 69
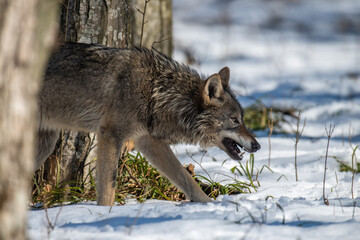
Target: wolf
142, 95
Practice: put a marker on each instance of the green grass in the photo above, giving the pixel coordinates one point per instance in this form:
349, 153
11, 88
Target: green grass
344, 167
354, 167
247, 170
137, 179
248, 184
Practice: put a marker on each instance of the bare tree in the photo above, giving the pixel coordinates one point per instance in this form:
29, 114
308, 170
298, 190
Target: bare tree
27, 30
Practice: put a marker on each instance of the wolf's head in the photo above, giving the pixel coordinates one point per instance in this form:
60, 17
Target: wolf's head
222, 119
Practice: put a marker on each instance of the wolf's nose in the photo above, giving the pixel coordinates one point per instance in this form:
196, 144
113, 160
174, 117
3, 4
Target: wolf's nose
255, 146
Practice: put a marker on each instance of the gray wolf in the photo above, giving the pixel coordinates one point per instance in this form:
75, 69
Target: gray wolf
142, 95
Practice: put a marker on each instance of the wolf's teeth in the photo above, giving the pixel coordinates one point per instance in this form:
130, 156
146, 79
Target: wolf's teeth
235, 146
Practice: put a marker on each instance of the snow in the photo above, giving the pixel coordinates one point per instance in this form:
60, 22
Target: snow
303, 54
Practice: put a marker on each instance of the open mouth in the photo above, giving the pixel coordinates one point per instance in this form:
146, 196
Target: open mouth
232, 149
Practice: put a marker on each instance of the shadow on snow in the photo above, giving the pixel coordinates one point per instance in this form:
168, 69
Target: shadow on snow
122, 222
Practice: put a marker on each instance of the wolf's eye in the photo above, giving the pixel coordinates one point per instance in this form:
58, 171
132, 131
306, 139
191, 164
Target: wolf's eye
235, 120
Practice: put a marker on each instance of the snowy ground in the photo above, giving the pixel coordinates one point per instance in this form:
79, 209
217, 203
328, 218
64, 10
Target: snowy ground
303, 54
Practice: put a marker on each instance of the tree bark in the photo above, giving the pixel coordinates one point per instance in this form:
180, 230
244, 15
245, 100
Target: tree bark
114, 23
118, 23
27, 30
102, 22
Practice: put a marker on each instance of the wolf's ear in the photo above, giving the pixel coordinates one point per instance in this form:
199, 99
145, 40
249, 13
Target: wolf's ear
225, 76
213, 91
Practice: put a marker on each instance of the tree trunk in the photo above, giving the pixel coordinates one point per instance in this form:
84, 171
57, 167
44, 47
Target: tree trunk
115, 23
27, 30
118, 23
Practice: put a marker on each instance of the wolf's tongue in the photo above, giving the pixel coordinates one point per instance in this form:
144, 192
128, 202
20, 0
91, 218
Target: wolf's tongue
233, 146
233, 149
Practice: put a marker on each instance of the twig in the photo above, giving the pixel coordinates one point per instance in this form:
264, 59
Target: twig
329, 132
61, 145
337, 195
297, 139
131, 175
51, 226
202, 156
271, 127
158, 42
283, 212
92, 143
353, 171
135, 219
246, 233
353, 214
336, 177
254, 220
353, 157
350, 135
143, 21
266, 209
199, 164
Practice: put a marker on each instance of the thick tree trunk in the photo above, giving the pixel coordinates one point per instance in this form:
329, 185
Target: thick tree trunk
115, 23
103, 22
118, 23
27, 29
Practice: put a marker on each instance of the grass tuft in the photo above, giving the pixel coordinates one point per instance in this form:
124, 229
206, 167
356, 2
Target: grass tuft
137, 179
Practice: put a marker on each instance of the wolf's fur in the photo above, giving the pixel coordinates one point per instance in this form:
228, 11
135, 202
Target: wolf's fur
143, 95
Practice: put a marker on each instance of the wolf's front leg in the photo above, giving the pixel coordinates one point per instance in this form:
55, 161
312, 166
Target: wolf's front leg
109, 144
161, 156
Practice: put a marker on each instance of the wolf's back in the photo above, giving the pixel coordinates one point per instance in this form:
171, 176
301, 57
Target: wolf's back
81, 81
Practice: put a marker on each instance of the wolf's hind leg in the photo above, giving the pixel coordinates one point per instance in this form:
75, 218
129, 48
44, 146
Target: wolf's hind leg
46, 141
109, 145
161, 156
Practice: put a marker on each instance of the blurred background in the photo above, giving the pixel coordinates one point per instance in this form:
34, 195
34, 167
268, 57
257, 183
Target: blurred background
289, 55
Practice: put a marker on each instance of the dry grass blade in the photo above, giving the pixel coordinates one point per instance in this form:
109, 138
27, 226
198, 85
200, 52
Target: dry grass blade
298, 135
271, 128
329, 132
353, 171
283, 212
